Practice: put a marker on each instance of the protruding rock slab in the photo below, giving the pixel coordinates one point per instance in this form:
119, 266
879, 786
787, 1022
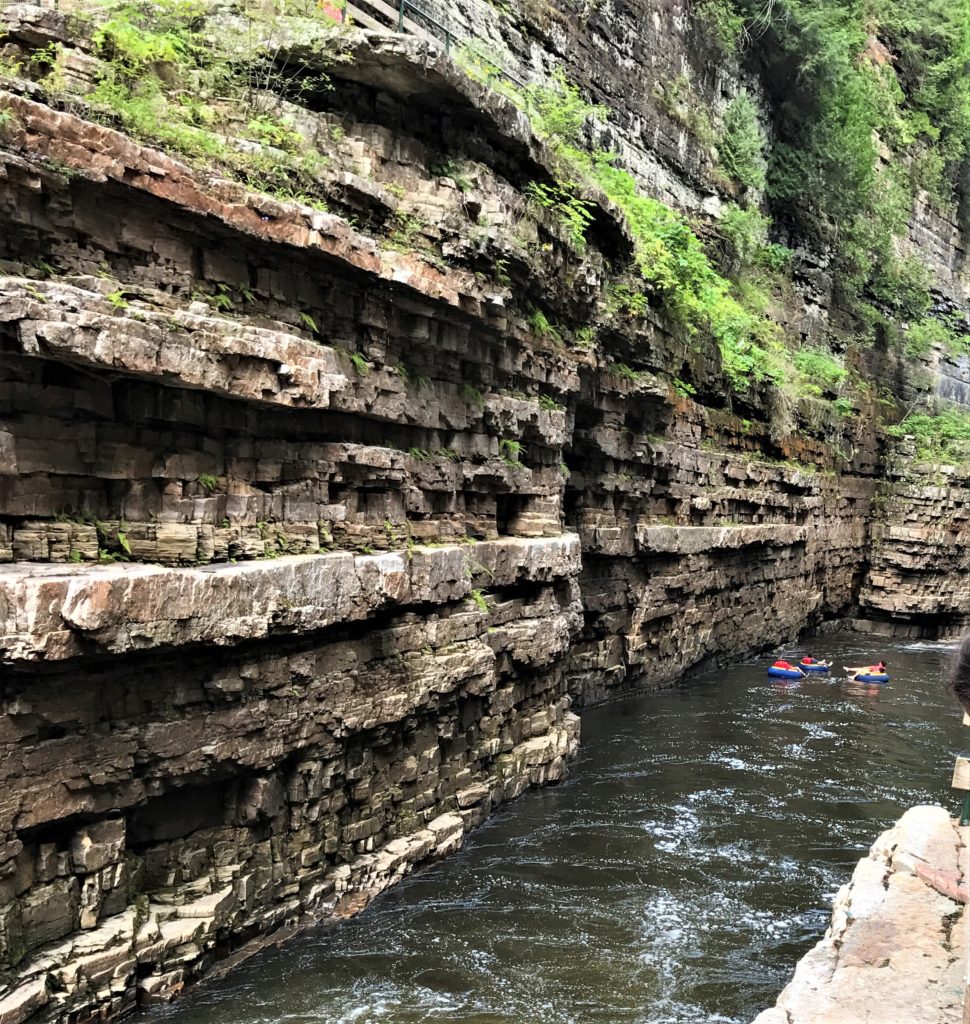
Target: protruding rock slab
896, 950
55, 612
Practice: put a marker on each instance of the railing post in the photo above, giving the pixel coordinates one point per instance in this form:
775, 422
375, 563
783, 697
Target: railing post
400, 16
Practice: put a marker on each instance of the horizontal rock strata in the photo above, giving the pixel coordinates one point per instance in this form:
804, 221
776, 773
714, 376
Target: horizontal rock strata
918, 582
321, 515
161, 808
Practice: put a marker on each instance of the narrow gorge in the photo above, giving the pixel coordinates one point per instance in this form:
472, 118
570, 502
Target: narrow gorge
372, 402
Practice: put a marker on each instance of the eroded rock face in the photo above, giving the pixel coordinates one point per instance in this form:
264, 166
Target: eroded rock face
313, 541
917, 584
896, 948
159, 805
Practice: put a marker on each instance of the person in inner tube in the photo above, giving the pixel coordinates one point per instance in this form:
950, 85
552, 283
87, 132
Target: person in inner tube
787, 665
869, 670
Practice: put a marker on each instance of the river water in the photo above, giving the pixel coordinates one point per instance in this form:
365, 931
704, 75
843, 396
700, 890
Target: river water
675, 878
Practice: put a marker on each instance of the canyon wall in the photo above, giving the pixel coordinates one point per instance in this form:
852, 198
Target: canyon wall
319, 522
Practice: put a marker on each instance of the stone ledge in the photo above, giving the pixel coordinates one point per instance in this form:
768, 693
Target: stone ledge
55, 612
893, 932
74, 323
689, 540
99, 154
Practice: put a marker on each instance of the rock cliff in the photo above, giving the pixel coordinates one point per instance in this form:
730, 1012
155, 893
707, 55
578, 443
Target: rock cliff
327, 499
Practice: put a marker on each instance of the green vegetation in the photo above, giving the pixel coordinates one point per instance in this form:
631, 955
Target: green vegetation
938, 437
925, 335
406, 231
742, 147
723, 25
360, 364
540, 325
510, 451
576, 214
847, 77
472, 396
669, 257
625, 372
821, 372
746, 232
308, 322
167, 78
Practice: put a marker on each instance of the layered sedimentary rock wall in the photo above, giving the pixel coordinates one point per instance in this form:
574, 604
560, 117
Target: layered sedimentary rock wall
917, 579
318, 525
166, 800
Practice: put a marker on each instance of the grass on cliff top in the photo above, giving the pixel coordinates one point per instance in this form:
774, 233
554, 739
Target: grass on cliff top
212, 97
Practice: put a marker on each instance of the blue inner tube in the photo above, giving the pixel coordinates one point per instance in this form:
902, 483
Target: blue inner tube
814, 668
784, 673
878, 678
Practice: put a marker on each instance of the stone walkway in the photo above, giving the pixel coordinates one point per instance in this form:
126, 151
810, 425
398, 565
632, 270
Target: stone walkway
896, 951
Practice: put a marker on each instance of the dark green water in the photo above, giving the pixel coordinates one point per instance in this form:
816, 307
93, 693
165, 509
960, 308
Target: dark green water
675, 878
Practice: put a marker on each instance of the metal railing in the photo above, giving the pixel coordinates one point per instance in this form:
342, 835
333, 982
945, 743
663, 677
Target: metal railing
444, 33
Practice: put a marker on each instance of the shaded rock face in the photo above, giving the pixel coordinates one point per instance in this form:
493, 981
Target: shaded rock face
314, 541
917, 583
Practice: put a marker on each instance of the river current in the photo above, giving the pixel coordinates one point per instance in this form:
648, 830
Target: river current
676, 877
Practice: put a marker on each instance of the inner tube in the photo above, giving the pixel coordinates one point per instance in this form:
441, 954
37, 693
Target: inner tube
880, 677
814, 668
784, 673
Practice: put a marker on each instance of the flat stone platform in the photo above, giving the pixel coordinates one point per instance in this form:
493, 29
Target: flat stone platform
896, 951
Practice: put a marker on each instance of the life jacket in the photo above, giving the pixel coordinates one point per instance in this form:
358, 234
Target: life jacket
809, 661
781, 664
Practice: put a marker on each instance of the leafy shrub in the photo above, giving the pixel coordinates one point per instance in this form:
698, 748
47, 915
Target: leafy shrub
903, 285
742, 146
930, 333
775, 257
940, 436
820, 370
559, 111
560, 198
722, 24
746, 231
